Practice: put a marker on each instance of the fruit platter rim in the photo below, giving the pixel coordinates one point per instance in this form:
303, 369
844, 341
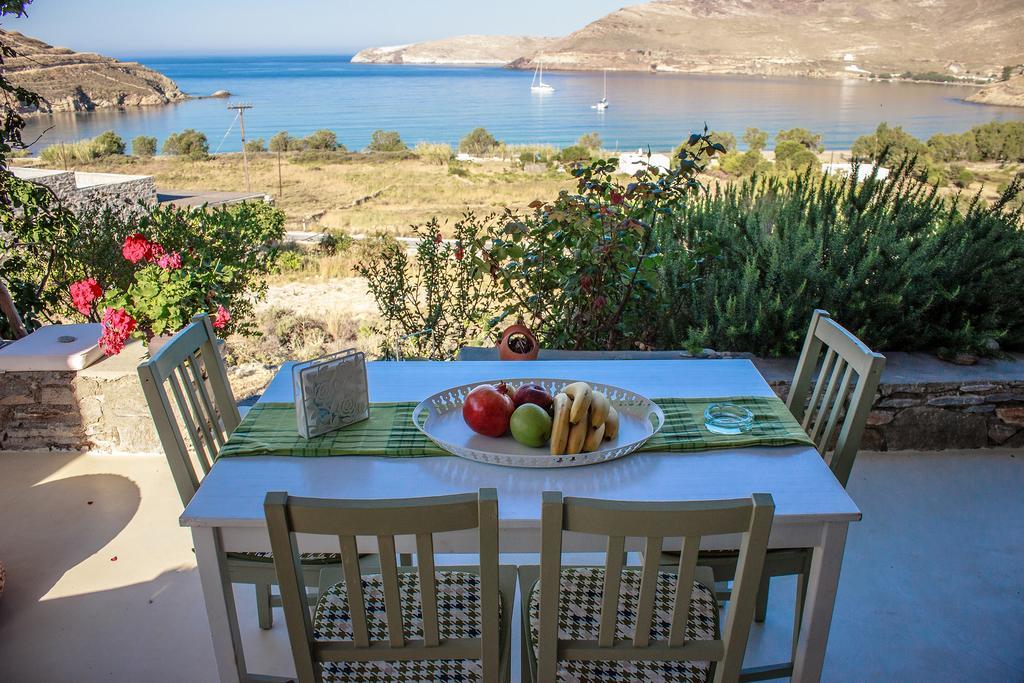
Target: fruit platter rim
633, 404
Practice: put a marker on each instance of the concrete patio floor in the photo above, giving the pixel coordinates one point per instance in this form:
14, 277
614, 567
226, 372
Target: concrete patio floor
102, 584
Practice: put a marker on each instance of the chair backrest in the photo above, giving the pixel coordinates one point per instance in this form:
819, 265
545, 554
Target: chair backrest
191, 366
844, 383
385, 519
654, 522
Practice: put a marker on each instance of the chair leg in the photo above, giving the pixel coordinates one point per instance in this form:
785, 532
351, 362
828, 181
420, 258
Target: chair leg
761, 610
264, 611
798, 610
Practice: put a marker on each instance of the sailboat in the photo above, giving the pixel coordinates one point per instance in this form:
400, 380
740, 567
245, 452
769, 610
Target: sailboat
603, 104
538, 84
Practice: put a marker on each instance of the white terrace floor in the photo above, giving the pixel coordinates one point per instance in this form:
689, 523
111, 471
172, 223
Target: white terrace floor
102, 583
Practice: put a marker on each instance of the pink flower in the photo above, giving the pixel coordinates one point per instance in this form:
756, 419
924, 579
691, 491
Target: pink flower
170, 261
137, 248
222, 318
459, 253
83, 293
118, 326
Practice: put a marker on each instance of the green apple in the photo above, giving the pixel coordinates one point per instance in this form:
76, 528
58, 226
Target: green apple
531, 425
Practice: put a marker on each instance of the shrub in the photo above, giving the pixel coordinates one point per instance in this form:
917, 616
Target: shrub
956, 147
811, 141
574, 154
892, 142
322, 140
794, 156
386, 141
478, 142
437, 154
108, 143
283, 142
961, 176
755, 139
144, 146
591, 141
68, 153
255, 146
745, 163
189, 143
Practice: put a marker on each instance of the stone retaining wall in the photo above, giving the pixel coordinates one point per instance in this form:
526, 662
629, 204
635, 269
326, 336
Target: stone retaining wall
938, 415
101, 408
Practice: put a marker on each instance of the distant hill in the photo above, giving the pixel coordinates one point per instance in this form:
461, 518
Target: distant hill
820, 38
498, 50
1008, 93
82, 81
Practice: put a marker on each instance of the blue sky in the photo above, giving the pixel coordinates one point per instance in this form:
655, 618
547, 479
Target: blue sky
127, 28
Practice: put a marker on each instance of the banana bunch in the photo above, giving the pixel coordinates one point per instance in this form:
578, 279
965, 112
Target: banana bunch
583, 418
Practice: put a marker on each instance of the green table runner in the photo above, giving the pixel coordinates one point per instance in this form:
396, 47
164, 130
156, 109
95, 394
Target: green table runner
269, 429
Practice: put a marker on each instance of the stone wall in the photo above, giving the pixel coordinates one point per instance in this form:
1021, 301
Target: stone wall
934, 416
99, 408
95, 191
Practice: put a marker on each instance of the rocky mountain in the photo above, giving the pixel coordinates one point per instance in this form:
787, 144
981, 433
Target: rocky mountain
459, 50
1008, 93
82, 81
799, 37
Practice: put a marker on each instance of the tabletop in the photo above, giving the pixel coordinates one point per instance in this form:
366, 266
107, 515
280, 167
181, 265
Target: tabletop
804, 489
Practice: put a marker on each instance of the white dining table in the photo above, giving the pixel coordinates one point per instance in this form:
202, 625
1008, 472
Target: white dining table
812, 510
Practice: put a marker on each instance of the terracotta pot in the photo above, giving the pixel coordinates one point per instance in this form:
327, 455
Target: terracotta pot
518, 343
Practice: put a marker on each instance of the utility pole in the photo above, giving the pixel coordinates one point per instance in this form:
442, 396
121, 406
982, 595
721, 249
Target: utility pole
240, 108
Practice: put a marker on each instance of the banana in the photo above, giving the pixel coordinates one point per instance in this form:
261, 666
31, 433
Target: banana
594, 437
599, 406
577, 435
581, 395
611, 423
560, 423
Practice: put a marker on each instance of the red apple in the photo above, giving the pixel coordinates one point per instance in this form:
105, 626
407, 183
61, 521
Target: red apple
533, 393
487, 410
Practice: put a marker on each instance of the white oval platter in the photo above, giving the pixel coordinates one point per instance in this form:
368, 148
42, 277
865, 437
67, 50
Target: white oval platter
439, 417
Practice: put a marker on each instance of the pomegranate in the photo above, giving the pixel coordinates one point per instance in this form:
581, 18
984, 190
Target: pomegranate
488, 409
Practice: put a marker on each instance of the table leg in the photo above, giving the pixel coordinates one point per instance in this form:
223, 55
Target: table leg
823, 581
220, 604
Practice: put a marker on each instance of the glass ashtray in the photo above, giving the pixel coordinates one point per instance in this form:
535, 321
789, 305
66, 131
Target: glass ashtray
728, 418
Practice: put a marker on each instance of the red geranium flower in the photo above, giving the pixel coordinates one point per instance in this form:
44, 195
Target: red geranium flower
616, 198
459, 253
83, 293
118, 326
222, 318
137, 248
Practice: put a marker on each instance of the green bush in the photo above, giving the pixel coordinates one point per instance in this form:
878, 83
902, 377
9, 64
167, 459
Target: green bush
386, 141
811, 141
65, 154
283, 142
793, 156
961, 176
745, 163
574, 154
189, 143
478, 142
755, 139
591, 141
892, 142
255, 146
144, 146
324, 140
108, 143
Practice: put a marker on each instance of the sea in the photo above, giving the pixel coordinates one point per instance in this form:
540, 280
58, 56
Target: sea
301, 94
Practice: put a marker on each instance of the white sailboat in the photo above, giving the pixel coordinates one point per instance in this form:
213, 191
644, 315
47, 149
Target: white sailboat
538, 84
603, 104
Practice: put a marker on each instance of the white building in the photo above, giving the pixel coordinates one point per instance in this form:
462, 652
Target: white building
864, 171
631, 162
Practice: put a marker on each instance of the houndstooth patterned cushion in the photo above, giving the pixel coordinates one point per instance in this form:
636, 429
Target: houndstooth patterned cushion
579, 618
458, 616
305, 558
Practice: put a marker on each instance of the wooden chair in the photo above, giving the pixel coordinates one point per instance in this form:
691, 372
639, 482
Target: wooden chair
402, 624
831, 395
652, 623
189, 371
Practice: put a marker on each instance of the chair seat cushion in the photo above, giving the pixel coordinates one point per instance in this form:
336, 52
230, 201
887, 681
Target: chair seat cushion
458, 616
579, 618
305, 558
